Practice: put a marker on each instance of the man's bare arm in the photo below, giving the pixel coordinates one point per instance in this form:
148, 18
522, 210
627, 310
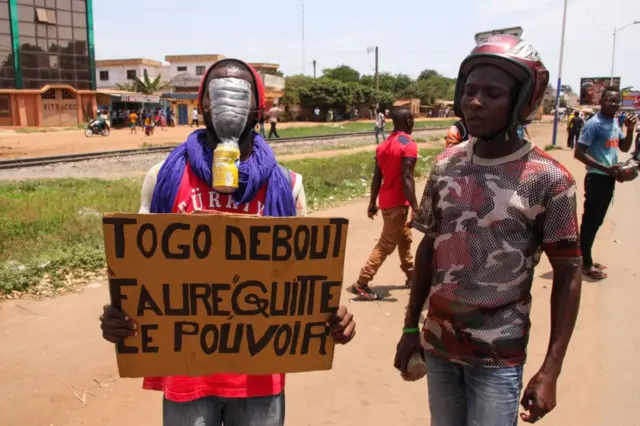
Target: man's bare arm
421, 285
408, 182
583, 156
565, 302
376, 183
625, 144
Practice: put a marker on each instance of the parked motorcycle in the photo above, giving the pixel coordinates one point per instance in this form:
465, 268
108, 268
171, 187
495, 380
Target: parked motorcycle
96, 127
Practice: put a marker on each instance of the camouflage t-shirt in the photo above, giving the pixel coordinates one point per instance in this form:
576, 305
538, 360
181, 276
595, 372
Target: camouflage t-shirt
491, 219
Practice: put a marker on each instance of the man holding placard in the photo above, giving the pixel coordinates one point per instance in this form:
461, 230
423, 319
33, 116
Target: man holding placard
231, 97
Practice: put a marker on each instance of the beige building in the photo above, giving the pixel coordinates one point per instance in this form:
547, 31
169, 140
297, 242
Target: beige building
111, 72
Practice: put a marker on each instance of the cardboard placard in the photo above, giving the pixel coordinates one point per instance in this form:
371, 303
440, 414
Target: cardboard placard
225, 293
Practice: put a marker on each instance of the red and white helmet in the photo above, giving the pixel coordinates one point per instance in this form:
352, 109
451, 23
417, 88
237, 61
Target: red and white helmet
518, 58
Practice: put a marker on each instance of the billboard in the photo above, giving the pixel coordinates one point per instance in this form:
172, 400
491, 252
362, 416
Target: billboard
591, 88
514, 31
631, 100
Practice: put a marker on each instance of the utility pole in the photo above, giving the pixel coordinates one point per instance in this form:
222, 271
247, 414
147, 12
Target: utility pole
377, 71
314, 68
303, 60
556, 117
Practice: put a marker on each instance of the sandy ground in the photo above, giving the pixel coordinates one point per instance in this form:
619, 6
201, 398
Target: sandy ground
19, 145
137, 165
53, 348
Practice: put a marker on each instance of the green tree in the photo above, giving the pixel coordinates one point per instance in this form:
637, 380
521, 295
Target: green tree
393, 83
431, 89
148, 86
128, 86
427, 74
293, 84
343, 73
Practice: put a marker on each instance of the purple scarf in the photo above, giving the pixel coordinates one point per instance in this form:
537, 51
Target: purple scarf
260, 168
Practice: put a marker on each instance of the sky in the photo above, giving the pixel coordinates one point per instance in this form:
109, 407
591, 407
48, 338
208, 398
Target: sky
411, 35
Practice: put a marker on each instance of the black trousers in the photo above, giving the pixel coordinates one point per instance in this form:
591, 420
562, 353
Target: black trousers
273, 131
573, 139
598, 193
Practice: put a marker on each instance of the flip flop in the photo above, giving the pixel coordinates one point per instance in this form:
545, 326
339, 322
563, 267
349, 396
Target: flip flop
364, 293
599, 266
595, 274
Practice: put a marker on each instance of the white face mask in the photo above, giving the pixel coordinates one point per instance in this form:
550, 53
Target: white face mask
230, 100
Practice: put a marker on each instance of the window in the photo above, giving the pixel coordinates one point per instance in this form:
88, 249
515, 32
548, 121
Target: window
131, 74
79, 34
5, 26
200, 70
41, 15
27, 30
65, 33
182, 69
5, 106
4, 10
64, 4
64, 18
78, 5
26, 13
104, 75
79, 20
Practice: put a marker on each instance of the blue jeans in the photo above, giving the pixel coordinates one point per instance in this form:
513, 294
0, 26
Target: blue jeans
215, 411
380, 131
472, 396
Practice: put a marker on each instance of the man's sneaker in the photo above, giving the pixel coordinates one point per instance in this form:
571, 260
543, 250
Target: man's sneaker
364, 293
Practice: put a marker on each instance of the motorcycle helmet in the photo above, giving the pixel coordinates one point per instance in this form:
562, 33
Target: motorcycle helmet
518, 58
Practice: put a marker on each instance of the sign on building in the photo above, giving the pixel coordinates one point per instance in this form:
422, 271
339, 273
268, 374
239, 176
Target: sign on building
591, 88
631, 100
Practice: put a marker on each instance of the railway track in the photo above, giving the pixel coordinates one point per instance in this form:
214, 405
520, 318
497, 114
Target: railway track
70, 158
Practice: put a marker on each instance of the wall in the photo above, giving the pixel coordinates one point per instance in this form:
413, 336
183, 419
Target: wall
118, 74
191, 68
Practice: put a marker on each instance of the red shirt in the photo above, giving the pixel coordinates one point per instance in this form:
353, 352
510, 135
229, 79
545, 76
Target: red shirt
195, 195
389, 155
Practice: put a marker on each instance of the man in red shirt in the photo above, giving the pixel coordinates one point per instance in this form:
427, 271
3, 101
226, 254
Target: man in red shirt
393, 183
231, 98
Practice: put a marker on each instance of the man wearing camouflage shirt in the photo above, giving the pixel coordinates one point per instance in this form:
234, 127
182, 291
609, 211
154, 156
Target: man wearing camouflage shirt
490, 207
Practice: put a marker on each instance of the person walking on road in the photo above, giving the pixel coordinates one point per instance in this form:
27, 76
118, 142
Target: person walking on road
380, 123
597, 148
574, 128
393, 191
491, 206
194, 118
270, 190
274, 115
133, 120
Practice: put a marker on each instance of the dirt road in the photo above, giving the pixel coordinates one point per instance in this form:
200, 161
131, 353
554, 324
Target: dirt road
20, 145
53, 348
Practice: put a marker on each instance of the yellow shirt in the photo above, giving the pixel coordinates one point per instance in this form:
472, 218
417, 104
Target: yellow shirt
147, 121
133, 117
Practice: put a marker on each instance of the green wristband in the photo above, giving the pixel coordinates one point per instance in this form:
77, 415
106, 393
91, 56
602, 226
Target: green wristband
411, 330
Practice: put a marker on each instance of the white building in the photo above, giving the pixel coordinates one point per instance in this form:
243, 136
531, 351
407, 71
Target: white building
183, 72
111, 72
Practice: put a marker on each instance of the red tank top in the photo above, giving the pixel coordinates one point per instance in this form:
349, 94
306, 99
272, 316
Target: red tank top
196, 195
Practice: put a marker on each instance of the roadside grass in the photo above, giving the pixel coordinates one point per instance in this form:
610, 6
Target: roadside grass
551, 147
328, 129
51, 230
